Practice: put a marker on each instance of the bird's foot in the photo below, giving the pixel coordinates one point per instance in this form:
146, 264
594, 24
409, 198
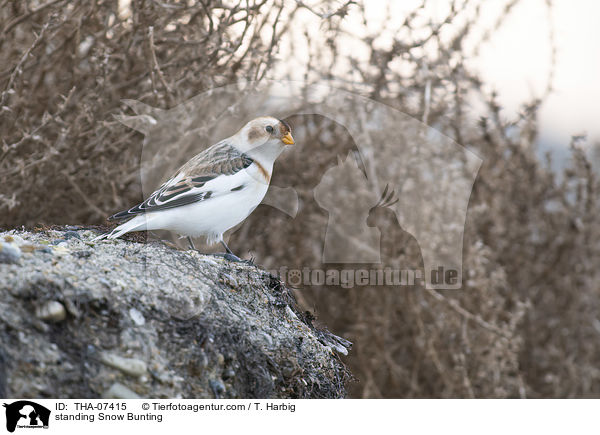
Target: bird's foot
228, 256
232, 257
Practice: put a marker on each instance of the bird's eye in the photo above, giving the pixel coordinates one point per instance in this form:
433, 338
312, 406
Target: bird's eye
269, 129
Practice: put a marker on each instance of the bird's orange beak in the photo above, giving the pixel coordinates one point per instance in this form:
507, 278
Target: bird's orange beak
288, 139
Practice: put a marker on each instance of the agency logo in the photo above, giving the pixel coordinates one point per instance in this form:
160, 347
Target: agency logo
398, 182
25, 414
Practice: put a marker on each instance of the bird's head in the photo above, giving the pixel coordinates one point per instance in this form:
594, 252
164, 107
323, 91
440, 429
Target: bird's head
265, 130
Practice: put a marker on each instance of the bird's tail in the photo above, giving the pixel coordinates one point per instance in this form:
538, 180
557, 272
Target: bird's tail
138, 223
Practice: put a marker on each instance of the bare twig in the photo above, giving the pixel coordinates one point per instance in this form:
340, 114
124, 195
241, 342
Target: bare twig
156, 66
82, 195
18, 68
27, 15
341, 11
470, 316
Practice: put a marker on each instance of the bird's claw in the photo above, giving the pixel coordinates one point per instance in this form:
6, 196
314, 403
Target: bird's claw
231, 257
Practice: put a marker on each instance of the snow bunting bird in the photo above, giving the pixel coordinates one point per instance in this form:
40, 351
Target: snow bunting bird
216, 190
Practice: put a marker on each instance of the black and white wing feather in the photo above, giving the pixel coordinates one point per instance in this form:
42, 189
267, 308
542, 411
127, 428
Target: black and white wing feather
189, 184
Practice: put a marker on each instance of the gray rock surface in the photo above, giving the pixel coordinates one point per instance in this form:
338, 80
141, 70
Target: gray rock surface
118, 318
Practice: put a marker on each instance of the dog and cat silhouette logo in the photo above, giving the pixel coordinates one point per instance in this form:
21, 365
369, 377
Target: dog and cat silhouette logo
26, 414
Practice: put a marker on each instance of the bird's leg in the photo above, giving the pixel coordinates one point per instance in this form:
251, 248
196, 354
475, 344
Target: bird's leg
229, 251
229, 255
191, 242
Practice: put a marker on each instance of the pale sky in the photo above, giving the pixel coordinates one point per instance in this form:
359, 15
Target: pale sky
517, 59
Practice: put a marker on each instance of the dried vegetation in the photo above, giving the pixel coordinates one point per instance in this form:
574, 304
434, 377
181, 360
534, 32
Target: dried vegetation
525, 323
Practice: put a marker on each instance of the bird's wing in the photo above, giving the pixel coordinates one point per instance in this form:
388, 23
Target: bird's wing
188, 185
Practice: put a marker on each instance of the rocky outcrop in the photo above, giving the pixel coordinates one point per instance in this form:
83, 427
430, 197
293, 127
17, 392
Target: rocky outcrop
124, 319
